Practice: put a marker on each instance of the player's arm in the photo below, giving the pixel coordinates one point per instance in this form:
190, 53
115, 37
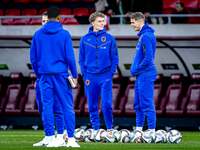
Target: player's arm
147, 51
70, 55
114, 56
33, 56
82, 57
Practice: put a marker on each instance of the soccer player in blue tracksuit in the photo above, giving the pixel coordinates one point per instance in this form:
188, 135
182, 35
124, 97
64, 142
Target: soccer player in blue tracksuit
51, 55
98, 59
57, 110
144, 69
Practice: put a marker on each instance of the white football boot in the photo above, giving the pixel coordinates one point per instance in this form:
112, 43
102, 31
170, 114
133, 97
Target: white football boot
72, 143
44, 142
53, 142
65, 135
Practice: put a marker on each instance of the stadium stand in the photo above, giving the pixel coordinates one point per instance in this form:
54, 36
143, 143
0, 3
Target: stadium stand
169, 6
11, 99
10, 12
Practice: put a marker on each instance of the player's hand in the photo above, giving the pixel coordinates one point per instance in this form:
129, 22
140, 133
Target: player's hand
75, 81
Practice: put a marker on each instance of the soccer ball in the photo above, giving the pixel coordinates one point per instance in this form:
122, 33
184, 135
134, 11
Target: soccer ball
125, 136
161, 136
174, 136
88, 136
78, 134
148, 136
100, 135
112, 136
136, 136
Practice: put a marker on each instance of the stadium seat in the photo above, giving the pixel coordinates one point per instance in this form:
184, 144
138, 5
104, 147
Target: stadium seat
193, 96
70, 21
169, 6
29, 12
1, 12
22, 1
11, 101
36, 21
171, 99
117, 109
39, 1
25, 21
92, 11
158, 90
55, 0
30, 99
76, 92
10, 12
129, 96
42, 11
81, 12
64, 11
80, 109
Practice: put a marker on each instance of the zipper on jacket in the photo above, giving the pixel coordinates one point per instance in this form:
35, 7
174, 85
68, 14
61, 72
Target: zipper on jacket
96, 53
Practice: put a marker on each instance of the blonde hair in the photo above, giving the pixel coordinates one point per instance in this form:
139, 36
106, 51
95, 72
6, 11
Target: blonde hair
137, 16
94, 15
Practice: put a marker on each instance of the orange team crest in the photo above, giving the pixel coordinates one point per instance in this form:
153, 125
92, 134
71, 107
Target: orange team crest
35, 84
87, 82
103, 39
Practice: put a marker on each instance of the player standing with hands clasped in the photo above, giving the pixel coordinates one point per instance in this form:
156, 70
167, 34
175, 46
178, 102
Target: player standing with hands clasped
98, 59
144, 69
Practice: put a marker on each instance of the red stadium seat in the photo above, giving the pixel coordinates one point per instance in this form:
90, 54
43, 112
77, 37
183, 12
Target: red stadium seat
29, 12
79, 110
92, 11
22, 1
193, 96
81, 12
1, 12
158, 90
10, 12
116, 89
42, 11
64, 11
129, 96
70, 21
39, 1
171, 99
169, 6
36, 21
11, 99
55, 0
76, 92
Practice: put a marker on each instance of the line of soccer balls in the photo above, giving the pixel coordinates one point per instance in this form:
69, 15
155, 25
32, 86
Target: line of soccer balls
125, 136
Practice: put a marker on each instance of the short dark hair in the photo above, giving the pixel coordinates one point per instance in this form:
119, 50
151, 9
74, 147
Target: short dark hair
45, 14
180, 3
53, 12
138, 16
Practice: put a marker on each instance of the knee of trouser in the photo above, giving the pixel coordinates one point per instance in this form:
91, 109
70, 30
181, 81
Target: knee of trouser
107, 105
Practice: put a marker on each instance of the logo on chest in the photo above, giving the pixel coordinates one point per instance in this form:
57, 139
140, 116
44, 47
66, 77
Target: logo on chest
103, 38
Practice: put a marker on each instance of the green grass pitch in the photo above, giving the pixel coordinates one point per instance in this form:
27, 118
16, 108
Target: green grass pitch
24, 139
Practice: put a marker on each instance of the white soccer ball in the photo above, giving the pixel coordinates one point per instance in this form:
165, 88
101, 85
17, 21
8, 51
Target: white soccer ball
88, 136
161, 136
78, 134
148, 136
174, 136
100, 136
136, 136
112, 136
125, 136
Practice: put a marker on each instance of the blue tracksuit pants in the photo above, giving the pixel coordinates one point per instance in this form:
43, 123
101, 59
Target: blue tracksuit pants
57, 110
56, 84
96, 86
143, 102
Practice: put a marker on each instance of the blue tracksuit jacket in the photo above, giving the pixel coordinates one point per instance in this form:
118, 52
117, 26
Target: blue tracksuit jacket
143, 59
47, 56
93, 46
